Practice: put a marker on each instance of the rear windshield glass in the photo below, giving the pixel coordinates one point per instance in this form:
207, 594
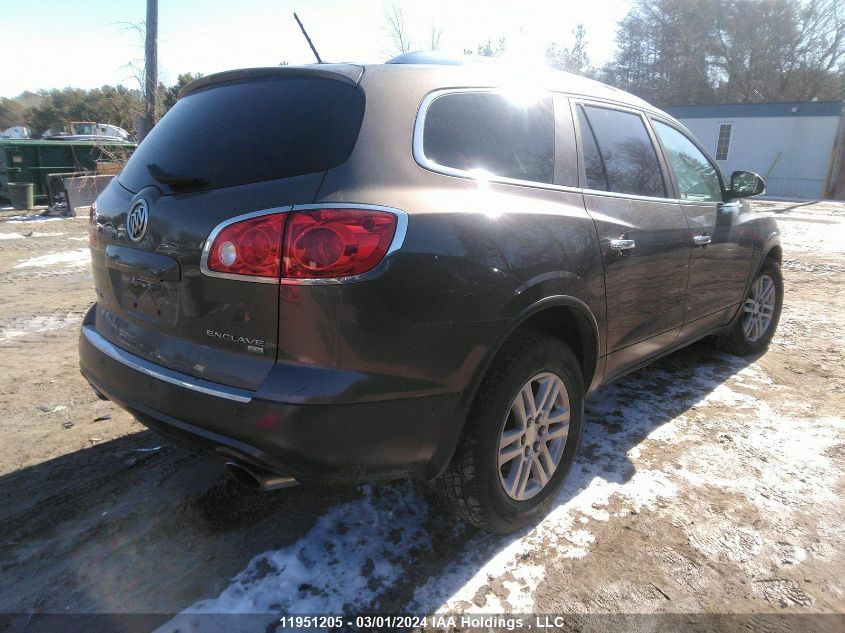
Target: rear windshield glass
251, 131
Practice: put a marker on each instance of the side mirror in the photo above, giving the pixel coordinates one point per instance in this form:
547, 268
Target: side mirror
745, 184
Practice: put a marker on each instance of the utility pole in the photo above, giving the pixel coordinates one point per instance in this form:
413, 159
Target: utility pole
151, 66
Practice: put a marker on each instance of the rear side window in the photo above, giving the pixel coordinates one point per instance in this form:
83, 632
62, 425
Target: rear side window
618, 153
488, 132
244, 132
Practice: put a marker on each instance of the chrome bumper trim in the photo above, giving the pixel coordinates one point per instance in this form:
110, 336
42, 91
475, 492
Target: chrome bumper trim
156, 371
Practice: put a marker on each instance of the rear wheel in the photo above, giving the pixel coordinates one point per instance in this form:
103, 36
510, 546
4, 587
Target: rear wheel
521, 435
761, 309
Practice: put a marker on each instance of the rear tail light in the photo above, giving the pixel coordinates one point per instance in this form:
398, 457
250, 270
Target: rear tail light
324, 243
305, 244
92, 225
251, 247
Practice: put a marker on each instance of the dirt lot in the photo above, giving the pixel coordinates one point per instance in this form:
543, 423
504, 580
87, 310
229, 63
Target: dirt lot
705, 483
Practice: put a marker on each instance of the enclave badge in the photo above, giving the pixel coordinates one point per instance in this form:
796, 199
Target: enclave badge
254, 345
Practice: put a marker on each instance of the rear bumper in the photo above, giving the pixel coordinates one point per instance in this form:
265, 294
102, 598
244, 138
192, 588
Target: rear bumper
323, 443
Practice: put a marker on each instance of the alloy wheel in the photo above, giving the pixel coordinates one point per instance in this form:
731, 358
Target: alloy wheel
533, 436
759, 309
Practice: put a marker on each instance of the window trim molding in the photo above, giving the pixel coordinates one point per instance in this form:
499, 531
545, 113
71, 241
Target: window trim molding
429, 164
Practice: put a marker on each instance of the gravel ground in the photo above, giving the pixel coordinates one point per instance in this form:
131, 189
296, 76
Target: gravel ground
706, 484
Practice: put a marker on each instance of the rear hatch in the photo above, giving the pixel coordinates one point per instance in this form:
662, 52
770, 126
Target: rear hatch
234, 144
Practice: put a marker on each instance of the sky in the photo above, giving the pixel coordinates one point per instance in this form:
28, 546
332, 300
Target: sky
56, 43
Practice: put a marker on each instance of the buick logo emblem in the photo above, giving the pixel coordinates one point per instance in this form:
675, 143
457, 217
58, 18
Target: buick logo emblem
136, 221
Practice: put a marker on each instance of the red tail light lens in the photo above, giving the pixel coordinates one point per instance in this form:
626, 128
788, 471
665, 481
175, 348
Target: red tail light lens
251, 247
323, 243
92, 225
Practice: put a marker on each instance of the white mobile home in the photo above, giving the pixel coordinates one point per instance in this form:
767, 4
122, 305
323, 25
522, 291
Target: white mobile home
796, 147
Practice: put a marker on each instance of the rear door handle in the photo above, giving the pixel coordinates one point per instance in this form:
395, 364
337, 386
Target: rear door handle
622, 245
702, 240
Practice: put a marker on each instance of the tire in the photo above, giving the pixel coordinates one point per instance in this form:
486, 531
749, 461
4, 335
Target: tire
474, 484
743, 339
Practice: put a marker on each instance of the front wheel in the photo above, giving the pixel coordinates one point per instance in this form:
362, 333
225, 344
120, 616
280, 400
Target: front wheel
521, 435
761, 309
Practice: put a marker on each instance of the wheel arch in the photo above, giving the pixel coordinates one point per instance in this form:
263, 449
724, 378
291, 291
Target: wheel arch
774, 252
771, 249
563, 316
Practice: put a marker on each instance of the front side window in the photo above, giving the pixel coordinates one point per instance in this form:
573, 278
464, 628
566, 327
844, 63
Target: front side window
618, 153
488, 133
697, 178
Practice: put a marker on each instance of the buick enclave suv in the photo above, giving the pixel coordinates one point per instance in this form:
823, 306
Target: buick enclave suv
340, 273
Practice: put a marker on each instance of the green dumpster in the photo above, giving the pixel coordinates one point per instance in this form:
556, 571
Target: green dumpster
32, 160
20, 194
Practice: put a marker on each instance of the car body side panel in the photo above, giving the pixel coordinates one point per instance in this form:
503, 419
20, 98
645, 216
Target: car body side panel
720, 270
647, 285
433, 321
459, 278
476, 254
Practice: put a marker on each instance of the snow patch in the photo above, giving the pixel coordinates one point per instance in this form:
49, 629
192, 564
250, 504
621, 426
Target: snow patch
20, 236
27, 219
65, 259
657, 406
354, 552
37, 324
813, 237
722, 436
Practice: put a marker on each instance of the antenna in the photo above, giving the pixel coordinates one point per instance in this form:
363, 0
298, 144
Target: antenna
305, 33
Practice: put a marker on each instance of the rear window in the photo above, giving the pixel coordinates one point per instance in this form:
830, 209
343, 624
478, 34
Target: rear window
244, 132
485, 131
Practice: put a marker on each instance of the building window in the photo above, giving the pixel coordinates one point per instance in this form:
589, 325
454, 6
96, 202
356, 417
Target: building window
724, 142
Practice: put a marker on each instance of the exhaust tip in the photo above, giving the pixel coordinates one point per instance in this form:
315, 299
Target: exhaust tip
242, 475
256, 479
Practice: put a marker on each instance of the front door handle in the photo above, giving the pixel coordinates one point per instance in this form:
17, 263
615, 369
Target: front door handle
702, 240
622, 245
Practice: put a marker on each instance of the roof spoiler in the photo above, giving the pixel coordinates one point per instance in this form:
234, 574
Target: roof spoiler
349, 73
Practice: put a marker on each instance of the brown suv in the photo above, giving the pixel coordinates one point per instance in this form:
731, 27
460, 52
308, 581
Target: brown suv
338, 273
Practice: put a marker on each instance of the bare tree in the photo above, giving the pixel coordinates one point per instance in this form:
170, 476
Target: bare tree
492, 50
394, 24
818, 50
675, 51
135, 110
573, 59
435, 34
